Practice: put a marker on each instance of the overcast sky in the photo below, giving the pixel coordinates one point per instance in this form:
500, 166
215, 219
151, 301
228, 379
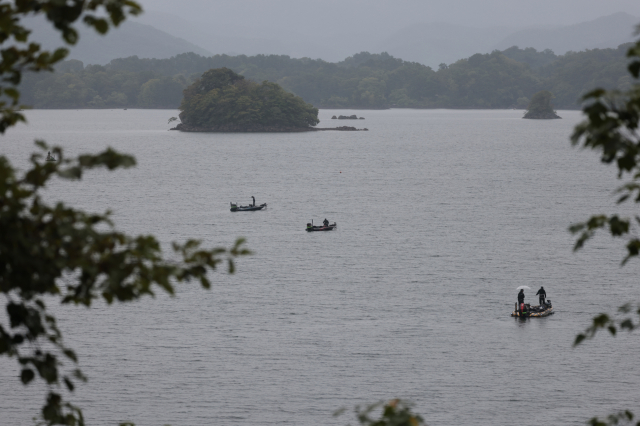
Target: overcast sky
334, 29
347, 15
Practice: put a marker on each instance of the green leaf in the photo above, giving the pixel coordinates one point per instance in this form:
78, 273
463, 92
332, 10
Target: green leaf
101, 25
27, 375
618, 226
59, 54
574, 229
69, 384
78, 375
71, 355
12, 93
205, 282
634, 68
627, 325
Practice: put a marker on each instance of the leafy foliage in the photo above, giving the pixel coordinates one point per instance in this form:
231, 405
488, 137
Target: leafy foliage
392, 413
56, 251
75, 257
604, 321
621, 418
611, 128
222, 98
19, 54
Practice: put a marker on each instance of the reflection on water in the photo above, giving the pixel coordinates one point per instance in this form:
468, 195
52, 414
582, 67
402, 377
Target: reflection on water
442, 215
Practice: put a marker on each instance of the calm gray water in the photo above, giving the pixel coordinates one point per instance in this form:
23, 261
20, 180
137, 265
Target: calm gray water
441, 215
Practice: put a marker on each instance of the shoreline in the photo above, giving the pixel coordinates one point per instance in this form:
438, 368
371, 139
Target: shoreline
263, 129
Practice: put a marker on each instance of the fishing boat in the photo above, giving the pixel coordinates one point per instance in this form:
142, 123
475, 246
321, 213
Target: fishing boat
249, 208
526, 310
312, 228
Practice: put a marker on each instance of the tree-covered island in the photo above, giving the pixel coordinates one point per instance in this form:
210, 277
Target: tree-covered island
224, 101
540, 107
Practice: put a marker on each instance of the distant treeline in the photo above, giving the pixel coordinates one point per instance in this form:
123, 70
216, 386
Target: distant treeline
504, 79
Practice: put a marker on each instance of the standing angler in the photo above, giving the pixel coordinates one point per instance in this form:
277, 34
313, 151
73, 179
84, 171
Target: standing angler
542, 294
521, 296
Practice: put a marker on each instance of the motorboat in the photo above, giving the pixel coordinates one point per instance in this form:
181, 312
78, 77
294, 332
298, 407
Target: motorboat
312, 228
526, 310
250, 208
236, 208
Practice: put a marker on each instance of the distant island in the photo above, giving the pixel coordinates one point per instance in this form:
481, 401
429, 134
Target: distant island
540, 107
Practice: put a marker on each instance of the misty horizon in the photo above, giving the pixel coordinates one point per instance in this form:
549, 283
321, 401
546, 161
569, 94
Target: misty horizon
433, 33
333, 14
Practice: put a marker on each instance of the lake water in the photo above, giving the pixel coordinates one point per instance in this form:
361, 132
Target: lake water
441, 215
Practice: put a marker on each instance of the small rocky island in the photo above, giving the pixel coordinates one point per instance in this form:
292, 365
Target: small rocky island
223, 101
347, 117
540, 107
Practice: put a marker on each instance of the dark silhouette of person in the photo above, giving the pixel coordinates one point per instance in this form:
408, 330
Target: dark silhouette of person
521, 296
254, 201
542, 294
326, 222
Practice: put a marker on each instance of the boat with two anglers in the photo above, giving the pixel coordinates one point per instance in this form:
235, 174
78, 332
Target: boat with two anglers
525, 310
325, 226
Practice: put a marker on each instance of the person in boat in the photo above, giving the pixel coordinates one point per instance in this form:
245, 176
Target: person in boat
49, 157
542, 294
521, 296
326, 222
309, 226
254, 201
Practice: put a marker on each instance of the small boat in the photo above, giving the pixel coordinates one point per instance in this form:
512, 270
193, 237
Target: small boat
250, 208
526, 310
312, 228
51, 160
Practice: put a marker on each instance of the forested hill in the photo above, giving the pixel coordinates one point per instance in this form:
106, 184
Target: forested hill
504, 79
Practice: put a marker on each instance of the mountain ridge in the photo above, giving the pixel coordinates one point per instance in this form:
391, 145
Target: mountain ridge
604, 32
129, 39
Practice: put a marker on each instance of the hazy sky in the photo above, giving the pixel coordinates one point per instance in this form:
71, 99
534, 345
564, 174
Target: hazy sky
349, 15
335, 29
